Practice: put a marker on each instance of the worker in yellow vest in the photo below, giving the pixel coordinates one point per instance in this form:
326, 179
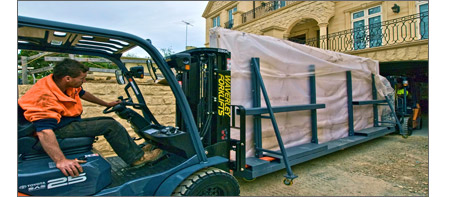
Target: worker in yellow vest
400, 89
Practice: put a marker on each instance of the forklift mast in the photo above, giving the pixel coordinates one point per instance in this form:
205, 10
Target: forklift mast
206, 82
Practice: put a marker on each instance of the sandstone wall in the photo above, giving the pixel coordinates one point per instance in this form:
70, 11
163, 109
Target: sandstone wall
159, 98
413, 51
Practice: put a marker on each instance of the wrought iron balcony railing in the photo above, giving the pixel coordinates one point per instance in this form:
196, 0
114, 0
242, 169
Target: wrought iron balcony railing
397, 31
228, 24
313, 42
264, 9
310, 42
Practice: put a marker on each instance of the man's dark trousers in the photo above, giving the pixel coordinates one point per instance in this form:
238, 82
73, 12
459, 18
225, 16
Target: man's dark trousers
113, 131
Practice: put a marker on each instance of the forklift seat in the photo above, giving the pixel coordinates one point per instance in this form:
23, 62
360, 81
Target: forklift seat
29, 146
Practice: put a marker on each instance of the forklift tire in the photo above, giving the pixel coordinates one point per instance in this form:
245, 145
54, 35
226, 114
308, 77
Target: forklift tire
208, 182
407, 127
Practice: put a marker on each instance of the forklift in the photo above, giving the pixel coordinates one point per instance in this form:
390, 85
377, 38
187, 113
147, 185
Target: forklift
407, 106
198, 147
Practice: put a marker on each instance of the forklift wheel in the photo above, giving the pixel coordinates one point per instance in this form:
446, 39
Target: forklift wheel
407, 127
249, 180
208, 182
288, 182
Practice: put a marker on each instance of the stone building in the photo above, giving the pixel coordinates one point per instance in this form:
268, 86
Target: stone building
393, 32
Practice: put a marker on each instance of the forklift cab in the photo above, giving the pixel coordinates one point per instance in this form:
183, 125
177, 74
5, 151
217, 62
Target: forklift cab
192, 145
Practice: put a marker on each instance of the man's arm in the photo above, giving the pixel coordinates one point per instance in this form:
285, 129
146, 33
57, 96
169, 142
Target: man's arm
93, 99
51, 147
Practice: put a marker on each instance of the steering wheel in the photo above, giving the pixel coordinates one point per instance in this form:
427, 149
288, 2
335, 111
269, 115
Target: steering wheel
114, 108
109, 109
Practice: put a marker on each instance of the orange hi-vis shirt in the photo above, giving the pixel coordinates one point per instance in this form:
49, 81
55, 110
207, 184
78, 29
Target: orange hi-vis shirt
46, 101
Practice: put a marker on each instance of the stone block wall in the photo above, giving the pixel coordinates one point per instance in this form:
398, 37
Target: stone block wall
413, 51
159, 99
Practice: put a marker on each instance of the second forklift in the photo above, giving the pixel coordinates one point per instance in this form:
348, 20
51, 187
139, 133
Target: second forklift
407, 104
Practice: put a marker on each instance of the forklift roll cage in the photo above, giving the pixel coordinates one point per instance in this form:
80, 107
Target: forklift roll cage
77, 39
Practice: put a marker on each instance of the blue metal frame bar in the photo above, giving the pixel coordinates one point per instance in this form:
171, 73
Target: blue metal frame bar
351, 129
256, 103
255, 67
240, 145
374, 97
394, 114
368, 102
314, 119
279, 109
269, 151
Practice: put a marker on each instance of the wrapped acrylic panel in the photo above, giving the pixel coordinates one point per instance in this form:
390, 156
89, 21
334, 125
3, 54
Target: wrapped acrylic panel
284, 66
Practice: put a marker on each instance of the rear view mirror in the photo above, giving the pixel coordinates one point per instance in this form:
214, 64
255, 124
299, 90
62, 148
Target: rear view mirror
120, 78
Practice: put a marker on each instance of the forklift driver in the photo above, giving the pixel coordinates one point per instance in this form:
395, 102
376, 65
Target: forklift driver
54, 107
400, 90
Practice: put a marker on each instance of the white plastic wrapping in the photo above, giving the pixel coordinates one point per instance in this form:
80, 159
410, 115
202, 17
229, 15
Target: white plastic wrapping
284, 66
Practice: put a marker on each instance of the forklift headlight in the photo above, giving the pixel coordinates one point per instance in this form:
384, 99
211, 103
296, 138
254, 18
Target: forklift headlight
179, 61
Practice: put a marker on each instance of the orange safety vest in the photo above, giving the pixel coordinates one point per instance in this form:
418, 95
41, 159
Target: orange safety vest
45, 100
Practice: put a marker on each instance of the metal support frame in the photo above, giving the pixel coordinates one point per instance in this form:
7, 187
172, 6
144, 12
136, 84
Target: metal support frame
253, 167
314, 119
256, 73
374, 106
257, 113
239, 146
394, 113
351, 129
256, 103
278, 109
374, 102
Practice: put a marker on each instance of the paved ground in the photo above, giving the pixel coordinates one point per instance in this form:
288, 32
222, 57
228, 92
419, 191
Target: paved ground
389, 165
424, 130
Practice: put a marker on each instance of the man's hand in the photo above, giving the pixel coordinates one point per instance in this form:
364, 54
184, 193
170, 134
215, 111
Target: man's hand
51, 147
70, 167
93, 99
111, 104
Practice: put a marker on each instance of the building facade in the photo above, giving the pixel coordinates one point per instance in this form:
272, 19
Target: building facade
393, 32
